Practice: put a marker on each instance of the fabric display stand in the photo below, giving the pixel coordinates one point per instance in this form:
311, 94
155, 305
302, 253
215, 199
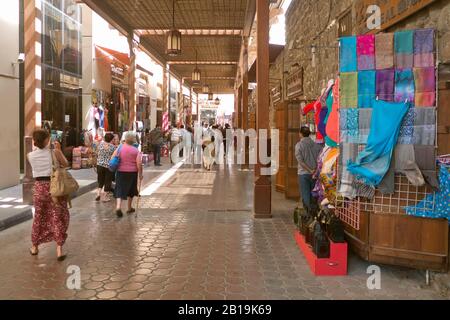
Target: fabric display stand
377, 171
388, 192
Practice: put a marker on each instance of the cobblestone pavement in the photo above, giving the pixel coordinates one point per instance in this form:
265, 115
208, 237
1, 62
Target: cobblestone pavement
193, 238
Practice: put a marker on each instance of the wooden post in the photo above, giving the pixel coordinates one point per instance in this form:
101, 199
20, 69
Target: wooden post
132, 83
262, 206
245, 124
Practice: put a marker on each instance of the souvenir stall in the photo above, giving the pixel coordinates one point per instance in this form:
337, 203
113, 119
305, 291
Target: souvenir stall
377, 171
390, 194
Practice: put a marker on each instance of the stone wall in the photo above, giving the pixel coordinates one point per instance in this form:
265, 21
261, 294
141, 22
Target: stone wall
315, 22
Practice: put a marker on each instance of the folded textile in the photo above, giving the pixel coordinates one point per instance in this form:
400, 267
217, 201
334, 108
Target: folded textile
405, 163
406, 134
436, 205
348, 60
425, 83
425, 135
374, 161
404, 86
366, 88
365, 50
348, 151
349, 90
385, 84
404, 49
384, 51
424, 48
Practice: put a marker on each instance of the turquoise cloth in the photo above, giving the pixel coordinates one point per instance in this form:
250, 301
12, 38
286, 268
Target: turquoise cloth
366, 88
373, 162
404, 42
348, 60
435, 205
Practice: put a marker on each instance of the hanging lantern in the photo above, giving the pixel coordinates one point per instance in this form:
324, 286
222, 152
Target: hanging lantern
210, 96
205, 89
217, 101
173, 38
196, 75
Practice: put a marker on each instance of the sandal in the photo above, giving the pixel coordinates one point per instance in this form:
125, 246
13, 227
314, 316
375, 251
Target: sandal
34, 253
119, 213
61, 258
132, 210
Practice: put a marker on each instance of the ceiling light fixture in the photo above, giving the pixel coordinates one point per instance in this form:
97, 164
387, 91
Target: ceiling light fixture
196, 75
173, 38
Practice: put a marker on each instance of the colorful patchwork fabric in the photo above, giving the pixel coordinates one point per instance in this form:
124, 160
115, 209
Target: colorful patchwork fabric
384, 51
404, 49
424, 48
404, 86
349, 90
365, 49
366, 88
406, 135
385, 84
425, 83
348, 59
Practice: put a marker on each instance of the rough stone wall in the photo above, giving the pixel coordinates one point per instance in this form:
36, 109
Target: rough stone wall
307, 22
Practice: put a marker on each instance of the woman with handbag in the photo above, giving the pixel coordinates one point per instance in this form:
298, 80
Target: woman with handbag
51, 217
104, 175
129, 170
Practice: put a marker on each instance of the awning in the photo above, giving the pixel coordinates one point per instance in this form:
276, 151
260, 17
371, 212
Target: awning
102, 52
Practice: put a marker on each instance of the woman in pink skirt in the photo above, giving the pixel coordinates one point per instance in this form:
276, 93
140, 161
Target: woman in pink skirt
51, 217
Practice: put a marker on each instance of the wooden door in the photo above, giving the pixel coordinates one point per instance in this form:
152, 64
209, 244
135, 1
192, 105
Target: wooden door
292, 117
280, 119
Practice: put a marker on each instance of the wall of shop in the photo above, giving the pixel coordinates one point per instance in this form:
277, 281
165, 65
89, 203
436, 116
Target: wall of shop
9, 91
87, 45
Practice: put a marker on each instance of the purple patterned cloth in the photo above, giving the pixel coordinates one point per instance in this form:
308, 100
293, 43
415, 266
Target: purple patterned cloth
365, 50
385, 84
404, 86
424, 48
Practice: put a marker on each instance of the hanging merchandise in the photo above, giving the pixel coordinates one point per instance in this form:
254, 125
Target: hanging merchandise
365, 51
366, 88
349, 90
384, 51
404, 86
348, 60
385, 84
328, 174
316, 107
404, 49
424, 48
332, 125
425, 83
373, 163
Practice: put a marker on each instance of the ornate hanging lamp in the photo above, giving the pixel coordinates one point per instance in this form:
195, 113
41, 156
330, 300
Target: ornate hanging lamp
217, 101
205, 89
210, 96
196, 75
173, 38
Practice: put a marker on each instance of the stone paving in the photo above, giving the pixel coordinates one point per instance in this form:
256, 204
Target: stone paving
193, 238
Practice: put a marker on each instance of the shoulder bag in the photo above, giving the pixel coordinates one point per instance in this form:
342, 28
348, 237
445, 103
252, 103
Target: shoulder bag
115, 161
62, 184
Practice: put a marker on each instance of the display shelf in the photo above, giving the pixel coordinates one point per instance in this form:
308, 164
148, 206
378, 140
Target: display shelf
335, 265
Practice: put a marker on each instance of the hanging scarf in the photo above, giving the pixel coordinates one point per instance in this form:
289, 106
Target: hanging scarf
348, 60
404, 86
404, 49
374, 161
349, 90
425, 83
384, 49
365, 49
385, 84
366, 88
424, 48
332, 127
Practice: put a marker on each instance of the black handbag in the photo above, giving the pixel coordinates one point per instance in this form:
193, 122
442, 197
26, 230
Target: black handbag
304, 218
296, 215
335, 229
321, 243
309, 236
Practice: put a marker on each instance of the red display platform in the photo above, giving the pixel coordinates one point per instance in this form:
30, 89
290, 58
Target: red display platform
335, 265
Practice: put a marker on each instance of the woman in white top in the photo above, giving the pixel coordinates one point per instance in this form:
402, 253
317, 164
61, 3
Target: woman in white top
51, 217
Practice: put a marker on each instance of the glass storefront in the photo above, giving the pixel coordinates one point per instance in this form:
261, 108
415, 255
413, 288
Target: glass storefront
62, 69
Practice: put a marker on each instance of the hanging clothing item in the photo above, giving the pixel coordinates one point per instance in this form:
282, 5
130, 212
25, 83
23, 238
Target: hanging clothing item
384, 49
405, 163
106, 120
318, 191
404, 49
348, 152
101, 114
424, 48
406, 134
373, 163
316, 108
332, 126
365, 50
404, 86
425, 83
425, 158
385, 84
366, 88
348, 60
435, 205
349, 90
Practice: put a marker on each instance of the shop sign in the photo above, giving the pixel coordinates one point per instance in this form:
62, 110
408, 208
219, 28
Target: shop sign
276, 93
392, 12
117, 71
294, 84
